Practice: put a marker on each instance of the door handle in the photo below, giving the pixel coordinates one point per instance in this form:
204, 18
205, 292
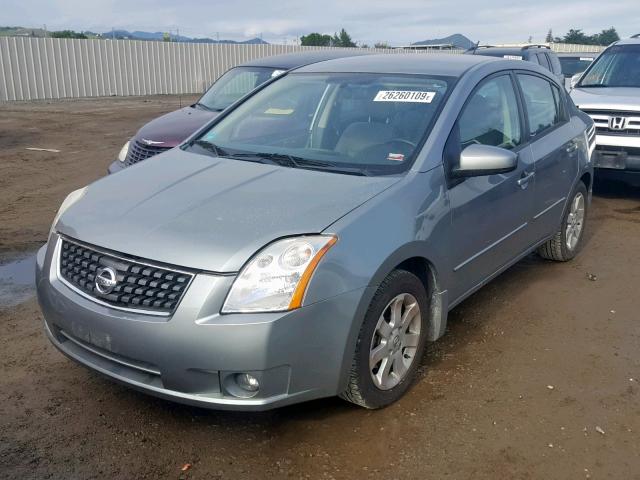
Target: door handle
572, 147
524, 180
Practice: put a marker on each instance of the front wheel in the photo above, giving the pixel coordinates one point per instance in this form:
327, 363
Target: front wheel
390, 343
567, 241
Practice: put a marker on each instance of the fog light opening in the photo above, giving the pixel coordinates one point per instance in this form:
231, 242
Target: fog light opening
247, 382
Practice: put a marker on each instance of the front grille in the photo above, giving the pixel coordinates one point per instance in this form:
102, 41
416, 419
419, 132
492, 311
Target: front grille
138, 152
139, 286
601, 120
629, 132
611, 113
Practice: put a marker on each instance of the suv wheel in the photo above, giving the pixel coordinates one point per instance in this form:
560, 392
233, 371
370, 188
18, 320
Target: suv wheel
390, 343
567, 241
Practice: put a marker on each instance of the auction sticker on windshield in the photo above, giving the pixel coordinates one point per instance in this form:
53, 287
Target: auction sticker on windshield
404, 96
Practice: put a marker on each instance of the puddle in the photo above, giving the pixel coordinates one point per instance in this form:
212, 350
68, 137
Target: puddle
17, 281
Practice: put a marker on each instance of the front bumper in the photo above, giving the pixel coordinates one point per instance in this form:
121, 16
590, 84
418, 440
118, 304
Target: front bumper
193, 356
617, 153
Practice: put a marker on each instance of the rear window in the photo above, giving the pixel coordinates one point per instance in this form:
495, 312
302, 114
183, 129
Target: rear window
572, 65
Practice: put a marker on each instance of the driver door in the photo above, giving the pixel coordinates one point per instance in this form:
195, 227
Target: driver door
490, 213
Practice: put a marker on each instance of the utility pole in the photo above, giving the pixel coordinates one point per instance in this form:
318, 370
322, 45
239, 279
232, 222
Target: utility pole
113, 33
45, 30
177, 35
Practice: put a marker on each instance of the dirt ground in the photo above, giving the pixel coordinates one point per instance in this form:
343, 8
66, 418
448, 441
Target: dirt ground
537, 377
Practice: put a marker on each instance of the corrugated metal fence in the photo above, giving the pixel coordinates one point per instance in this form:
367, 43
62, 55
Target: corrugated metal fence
50, 68
43, 68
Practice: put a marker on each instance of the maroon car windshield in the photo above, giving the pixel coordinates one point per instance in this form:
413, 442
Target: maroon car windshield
235, 84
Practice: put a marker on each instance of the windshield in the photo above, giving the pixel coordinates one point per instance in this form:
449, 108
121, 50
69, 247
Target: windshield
572, 65
370, 124
235, 84
618, 66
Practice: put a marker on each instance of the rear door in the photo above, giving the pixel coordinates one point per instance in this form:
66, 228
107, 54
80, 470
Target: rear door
490, 213
552, 147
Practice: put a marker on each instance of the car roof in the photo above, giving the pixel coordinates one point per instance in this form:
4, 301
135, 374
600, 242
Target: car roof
578, 54
409, 63
500, 51
288, 61
629, 41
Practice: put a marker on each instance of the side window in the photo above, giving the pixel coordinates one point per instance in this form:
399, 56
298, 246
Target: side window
543, 60
555, 64
491, 117
559, 103
542, 101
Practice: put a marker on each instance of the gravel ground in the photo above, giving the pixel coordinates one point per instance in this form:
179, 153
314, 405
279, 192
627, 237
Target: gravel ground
536, 378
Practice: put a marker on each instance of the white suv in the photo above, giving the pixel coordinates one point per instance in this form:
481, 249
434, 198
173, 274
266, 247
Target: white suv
609, 91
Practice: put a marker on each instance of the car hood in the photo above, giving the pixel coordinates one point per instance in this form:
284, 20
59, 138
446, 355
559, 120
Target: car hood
174, 127
210, 213
609, 98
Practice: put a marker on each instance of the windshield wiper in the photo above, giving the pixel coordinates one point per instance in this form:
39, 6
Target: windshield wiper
594, 85
212, 147
281, 159
293, 161
206, 107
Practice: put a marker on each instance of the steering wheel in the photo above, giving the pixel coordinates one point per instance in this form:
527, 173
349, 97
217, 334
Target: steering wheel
402, 140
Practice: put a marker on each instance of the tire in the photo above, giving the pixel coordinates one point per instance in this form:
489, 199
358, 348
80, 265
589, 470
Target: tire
406, 290
558, 247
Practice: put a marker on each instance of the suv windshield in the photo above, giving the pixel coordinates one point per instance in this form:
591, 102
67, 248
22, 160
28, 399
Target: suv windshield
618, 66
369, 124
235, 84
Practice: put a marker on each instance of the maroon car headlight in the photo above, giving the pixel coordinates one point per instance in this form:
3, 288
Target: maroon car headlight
122, 156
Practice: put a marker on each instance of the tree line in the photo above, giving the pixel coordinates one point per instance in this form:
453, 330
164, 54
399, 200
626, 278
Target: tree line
575, 35
342, 39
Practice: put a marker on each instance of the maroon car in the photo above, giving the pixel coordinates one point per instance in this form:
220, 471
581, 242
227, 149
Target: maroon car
173, 128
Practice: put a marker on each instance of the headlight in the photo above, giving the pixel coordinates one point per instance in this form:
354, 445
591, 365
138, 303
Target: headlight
276, 278
122, 156
72, 198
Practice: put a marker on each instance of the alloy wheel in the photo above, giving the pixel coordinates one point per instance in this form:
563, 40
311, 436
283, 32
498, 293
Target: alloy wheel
395, 341
575, 221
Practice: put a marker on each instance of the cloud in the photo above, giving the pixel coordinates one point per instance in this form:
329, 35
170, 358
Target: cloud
367, 21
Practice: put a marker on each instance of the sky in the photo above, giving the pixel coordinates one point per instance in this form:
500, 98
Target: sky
368, 21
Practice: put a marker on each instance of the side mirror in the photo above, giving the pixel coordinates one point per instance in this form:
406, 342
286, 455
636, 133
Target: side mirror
575, 79
477, 160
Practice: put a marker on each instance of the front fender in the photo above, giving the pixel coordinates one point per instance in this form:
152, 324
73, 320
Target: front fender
409, 220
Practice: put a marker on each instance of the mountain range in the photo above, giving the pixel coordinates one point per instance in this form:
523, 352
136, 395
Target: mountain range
457, 40
158, 36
